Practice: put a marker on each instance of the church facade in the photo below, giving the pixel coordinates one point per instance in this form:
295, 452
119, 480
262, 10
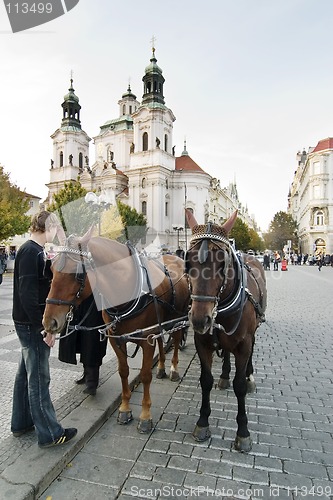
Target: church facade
135, 162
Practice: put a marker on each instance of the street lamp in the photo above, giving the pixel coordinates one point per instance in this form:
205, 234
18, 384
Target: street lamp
101, 202
178, 229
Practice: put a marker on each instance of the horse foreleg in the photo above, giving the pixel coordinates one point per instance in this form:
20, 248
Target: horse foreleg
145, 424
202, 431
224, 381
251, 385
160, 373
174, 374
243, 441
124, 413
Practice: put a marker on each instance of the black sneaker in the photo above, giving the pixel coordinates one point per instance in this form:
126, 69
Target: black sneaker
23, 431
67, 435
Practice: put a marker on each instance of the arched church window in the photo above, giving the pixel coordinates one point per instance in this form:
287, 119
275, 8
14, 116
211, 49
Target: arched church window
61, 159
167, 183
319, 218
124, 109
148, 87
143, 183
145, 142
165, 142
130, 110
80, 160
144, 208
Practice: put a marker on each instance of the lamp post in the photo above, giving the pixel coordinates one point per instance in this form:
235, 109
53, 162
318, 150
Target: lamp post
178, 229
101, 202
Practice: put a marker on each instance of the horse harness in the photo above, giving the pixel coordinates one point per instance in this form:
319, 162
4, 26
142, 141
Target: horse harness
235, 302
145, 295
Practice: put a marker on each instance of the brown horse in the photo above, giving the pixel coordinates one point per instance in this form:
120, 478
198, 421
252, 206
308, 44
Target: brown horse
228, 304
139, 297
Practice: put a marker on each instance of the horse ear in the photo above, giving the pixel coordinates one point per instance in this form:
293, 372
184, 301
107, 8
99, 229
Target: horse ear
86, 237
229, 224
190, 218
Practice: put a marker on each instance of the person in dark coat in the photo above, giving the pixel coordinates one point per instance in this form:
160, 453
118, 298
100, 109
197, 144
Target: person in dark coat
86, 343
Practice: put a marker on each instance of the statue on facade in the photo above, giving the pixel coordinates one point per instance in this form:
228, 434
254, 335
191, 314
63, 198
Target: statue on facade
52, 163
87, 160
158, 142
132, 147
70, 159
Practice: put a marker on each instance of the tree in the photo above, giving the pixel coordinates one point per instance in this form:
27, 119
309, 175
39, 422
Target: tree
14, 205
118, 221
256, 242
75, 214
281, 229
240, 232
135, 224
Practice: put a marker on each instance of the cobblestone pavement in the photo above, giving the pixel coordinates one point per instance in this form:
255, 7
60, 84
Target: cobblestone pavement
290, 418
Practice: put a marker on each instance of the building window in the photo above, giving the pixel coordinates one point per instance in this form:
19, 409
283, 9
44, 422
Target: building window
166, 209
319, 218
145, 142
143, 183
166, 183
316, 167
61, 159
130, 110
165, 142
124, 109
144, 208
316, 192
80, 160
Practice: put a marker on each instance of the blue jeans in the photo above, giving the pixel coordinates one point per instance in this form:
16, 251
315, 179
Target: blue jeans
32, 403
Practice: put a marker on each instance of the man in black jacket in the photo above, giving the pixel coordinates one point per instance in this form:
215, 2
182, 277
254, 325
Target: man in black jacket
32, 405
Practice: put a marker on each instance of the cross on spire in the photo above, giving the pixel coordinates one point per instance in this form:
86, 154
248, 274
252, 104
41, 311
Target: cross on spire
153, 40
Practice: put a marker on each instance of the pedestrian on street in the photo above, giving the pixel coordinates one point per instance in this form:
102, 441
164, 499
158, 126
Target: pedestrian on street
32, 406
320, 261
87, 343
277, 259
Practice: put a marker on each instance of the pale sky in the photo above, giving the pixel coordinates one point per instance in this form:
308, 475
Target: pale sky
249, 81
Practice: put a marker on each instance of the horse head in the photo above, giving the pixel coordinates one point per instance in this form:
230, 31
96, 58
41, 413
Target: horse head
209, 265
72, 281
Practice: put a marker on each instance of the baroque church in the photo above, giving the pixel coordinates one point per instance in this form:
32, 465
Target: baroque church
135, 162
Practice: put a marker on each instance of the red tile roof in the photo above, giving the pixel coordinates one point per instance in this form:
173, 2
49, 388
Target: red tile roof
324, 144
185, 162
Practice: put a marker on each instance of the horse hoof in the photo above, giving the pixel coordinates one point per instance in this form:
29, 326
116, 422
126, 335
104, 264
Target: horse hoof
201, 433
145, 426
250, 386
124, 417
243, 444
161, 373
224, 383
174, 376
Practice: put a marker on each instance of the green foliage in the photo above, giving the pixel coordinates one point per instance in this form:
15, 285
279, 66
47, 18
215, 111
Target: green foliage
117, 222
135, 224
240, 232
75, 214
281, 229
256, 242
14, 205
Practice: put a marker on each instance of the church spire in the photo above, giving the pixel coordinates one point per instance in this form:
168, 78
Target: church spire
71, 109
153, 81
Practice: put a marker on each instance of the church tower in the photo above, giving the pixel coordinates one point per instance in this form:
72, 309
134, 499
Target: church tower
153, 123
70, 145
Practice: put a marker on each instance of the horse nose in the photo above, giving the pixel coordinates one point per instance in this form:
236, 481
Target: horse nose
200, 324
50, 325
